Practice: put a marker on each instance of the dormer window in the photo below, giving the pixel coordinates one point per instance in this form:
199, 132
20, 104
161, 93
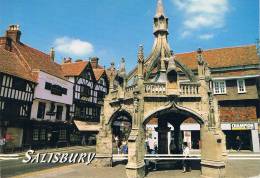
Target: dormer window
241, 86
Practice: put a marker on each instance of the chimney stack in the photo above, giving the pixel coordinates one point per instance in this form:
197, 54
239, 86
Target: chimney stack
66, 60
52, 54
94, 62
14, 33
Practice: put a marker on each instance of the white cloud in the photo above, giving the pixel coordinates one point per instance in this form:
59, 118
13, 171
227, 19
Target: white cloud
202, 14
185, 34
72, 46
206, 36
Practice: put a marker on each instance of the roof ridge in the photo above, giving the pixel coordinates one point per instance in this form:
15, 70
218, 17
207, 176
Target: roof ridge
228, 47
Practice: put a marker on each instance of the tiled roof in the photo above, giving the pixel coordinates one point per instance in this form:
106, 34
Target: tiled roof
73, 69
98, 73
11, 64
223, 57
236, 73
38, 60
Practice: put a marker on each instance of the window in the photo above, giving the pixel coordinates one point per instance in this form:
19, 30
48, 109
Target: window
41, 110
241, 86
55, 89
85, 91
35, 134
62, 135
219, 87
42, 136
59, 112
19, 84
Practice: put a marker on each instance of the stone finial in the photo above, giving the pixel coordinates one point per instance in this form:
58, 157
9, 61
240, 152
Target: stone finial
171, 63
141, 53
160, 8
200, 56
122, 70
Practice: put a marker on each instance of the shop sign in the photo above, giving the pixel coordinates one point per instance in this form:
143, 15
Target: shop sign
242, 126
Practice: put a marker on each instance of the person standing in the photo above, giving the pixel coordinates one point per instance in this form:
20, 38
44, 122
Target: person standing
124, 147
186, 161
152, 145
239, 143
117, 144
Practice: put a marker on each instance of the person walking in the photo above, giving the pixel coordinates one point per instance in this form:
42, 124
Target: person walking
186, 161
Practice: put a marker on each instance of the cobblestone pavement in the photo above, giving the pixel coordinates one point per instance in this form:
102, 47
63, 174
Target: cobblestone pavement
235, 169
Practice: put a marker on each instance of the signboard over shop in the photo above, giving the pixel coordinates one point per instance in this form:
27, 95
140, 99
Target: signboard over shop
242, 126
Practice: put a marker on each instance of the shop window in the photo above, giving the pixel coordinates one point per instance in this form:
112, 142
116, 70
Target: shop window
59, 112
241, 86
62, 135
41, 110
35, 134
219, 87
43, 133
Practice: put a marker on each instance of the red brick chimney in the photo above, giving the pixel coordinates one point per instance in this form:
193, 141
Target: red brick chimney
94, 62
14, 33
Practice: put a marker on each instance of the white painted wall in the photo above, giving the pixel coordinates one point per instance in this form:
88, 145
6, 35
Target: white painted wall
48, 105
42, 93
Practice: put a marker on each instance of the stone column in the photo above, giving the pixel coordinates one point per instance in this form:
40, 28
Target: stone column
162, 130
177, 139
104, 148
212, 153
135, 167
255, 140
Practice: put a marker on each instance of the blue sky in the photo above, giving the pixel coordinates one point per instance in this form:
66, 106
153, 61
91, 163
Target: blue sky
112, 29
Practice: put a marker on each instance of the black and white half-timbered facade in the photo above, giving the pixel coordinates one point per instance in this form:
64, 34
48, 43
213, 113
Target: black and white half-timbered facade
34, 95
16, 98
89, 92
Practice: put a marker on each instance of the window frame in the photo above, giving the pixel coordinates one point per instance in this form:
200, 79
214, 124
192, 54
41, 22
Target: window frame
60, 108
35, 135
238, 85
219, 87
43, 112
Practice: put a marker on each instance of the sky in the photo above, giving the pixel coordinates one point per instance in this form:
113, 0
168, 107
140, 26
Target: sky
112, 29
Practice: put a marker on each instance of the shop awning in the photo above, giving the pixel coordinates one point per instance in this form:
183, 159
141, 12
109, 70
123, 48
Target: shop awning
87, 126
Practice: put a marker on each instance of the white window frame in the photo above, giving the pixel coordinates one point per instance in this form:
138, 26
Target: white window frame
243, 86
220, 90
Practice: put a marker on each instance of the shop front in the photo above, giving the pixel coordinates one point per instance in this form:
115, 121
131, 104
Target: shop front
241, 136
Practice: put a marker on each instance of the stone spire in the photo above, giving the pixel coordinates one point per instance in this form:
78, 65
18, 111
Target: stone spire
160, 9
160, 20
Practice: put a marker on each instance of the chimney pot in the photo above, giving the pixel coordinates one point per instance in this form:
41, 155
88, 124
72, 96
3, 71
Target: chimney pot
52, 54
14, 33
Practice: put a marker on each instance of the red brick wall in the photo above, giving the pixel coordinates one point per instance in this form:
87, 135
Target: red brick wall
237, 113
